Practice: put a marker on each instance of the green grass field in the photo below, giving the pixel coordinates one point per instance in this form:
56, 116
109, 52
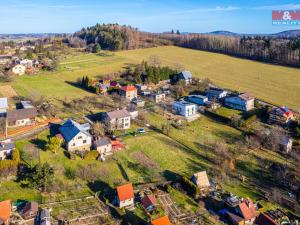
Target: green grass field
276, 84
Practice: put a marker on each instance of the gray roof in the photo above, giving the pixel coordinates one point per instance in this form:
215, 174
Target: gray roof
118, 114
7, 146
20, 114
3, 103
186, 74
27, 104
102, 142
71, 128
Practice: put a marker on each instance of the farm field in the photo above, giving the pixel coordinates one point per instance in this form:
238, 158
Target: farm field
276, 84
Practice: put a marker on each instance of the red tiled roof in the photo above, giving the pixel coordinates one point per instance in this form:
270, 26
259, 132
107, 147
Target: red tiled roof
5, 207
161, 221
248, 210
125, 192
149, 200
264, 219
128, 88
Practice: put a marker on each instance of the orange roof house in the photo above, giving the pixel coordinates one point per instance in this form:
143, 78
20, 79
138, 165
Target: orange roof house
247, 209
161, 221
5, 209
125, 195
129, 92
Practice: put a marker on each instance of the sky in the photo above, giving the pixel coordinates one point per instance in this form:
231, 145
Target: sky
68, 16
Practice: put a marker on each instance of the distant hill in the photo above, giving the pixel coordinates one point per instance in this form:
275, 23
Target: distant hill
283, 34
20, 37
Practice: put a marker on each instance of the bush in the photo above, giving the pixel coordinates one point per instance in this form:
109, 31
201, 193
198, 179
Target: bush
250, 120
190, 187
70, 173
91, 155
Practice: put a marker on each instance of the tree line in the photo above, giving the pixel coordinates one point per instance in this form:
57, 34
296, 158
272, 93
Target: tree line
262, 48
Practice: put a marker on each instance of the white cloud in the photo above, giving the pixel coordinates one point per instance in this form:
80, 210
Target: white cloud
215, 9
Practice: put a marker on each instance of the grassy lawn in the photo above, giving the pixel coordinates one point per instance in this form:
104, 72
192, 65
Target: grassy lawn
276, 84
227, 112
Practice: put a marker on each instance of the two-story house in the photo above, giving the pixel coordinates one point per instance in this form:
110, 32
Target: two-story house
185, 76
243, 102
129, 92
76, 136
117, 120
125, 196
216, 93
184, 108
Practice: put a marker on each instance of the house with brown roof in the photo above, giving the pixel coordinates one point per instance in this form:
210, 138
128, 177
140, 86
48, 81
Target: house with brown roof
273, 217
30, 210
149, 202
129, 92
117, 120
243, 102
161, 221
21, 117
245, 210
125, 196
5, 211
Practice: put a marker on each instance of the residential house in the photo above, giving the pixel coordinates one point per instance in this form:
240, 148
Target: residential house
3, 106
103, 146
30, 210
133, 113
281, 116
149, 203
6, 149
5, 212
117, 120
200, 179
45, 217
5, 59
216, 93
158, 97
140, 88
185, 76
286, 144
197, 99
245, 210
117, 145
129, 92
26, 62
273, 217
21, 117
184, 108
161, 221
243, 102
19, 69
125, 196
26, 104
138, 102
76, 136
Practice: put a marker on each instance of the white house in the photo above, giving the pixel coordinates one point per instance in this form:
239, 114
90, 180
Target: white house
125, 196
27, 63
19, 69
103, 146
6, 149
216, 93
184, 108
117, 120
3, 106
286, 144
76, 136
158, 97
243, 102
21, 117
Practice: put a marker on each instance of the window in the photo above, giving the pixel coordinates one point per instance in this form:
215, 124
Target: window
79, 137
84, 141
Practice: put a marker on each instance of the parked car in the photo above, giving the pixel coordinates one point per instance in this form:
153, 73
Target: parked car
141, 131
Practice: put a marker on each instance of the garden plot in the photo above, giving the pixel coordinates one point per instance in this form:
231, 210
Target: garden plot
170, 207
81, 211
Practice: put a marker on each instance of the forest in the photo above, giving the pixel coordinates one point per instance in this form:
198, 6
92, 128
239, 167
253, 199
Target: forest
282, 51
